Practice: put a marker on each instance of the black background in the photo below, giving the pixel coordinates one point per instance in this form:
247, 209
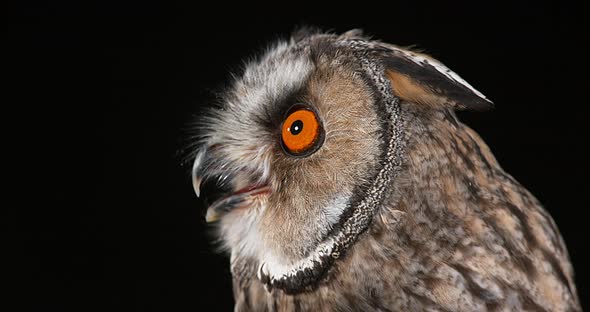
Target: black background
105, 95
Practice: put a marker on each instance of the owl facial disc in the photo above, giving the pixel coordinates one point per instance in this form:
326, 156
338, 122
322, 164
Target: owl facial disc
300, 134
307, 272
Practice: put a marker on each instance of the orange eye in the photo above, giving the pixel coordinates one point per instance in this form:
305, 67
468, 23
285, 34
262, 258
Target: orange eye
301, 132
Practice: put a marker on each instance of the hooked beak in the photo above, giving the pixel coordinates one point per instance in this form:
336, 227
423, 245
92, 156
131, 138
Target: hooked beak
241, 199
236, 199
198, 165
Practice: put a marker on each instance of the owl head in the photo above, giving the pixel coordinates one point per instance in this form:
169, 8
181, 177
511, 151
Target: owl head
308, 141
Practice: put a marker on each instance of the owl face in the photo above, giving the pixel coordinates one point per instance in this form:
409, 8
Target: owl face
297, 137
307, 141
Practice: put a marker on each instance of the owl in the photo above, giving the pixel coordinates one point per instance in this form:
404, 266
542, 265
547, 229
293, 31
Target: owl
349, 184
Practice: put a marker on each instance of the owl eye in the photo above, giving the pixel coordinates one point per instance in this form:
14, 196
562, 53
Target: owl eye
301, 132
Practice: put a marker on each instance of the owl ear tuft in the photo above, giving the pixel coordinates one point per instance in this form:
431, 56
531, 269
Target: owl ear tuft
418, 78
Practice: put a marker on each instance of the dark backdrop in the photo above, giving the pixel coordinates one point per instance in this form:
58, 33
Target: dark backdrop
106, 94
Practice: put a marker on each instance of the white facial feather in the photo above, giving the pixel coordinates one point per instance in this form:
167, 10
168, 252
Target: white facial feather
240, 232
279, 71
335, 208
246, 144
235, 127
275, 268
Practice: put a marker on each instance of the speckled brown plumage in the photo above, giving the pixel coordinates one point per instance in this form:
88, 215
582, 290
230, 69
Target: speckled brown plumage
453, 232
460, 235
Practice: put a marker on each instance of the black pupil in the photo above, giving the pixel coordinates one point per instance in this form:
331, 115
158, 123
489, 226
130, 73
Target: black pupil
296, 127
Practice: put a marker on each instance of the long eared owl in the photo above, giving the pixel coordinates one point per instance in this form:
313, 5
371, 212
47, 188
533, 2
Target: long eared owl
350, 185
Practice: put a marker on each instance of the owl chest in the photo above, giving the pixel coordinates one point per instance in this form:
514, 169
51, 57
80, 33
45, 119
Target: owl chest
430, 262
375, 276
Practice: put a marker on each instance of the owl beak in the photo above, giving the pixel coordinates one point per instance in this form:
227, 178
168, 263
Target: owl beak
197, 185
197, 174
240, 199
236, 199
